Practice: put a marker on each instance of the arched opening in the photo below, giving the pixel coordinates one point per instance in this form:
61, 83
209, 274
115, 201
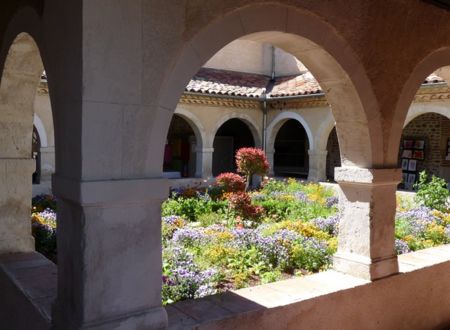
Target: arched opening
333, 154
230, 137
21, 153
36, 155
425, 146
291, 150
351, 110
180, 149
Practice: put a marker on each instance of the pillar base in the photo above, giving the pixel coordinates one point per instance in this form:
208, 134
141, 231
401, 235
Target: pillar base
364, 267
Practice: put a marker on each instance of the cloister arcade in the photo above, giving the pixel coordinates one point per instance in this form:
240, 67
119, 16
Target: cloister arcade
116, 74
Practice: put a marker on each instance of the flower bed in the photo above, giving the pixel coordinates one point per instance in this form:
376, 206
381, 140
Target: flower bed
224, 238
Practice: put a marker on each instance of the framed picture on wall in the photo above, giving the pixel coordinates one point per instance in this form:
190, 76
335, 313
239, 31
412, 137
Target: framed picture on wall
419, 144
405, 164
418, 154
404, 177
411, 179
408, 144
412, 165
407, 154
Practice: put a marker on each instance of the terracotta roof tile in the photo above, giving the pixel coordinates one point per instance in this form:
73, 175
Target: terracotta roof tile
303, 84
221, 82
231, 83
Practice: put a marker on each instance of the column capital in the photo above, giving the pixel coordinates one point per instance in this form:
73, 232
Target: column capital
205, 150
107, 192
372, 176
317, 152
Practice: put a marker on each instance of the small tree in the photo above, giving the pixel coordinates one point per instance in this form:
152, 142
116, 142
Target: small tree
251, 161
434, 193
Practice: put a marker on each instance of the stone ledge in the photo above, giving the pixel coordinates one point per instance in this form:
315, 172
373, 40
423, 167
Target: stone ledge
108, 192
277, 304
368, 175
28, 286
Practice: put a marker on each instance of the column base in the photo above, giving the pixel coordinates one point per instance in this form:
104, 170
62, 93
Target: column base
153, 319
364, 267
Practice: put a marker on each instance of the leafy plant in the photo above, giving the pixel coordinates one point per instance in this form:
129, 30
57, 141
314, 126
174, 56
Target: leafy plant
230, 182
433, 193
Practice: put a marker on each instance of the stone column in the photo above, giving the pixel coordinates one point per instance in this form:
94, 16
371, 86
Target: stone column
204, 163
270, 158
15, 205
366, 231
109, 254
317, 165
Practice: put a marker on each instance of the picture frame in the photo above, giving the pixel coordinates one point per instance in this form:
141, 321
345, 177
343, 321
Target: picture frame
405, 164
404, 177
411, 179
418, 154
408, 144
412, 165
407, 153
419, 144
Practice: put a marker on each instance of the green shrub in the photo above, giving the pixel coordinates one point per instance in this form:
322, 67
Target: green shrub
434, 193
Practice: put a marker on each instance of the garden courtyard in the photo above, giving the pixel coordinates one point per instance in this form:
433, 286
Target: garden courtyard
227, 236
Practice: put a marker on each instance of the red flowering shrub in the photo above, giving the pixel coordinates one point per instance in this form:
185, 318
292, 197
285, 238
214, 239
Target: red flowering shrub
230, 182
251, 161
241, 203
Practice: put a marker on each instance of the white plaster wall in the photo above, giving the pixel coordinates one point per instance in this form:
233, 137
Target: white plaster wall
255, 57
243, 56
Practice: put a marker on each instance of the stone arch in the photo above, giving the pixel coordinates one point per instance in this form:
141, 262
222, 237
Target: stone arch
278, 122
418, 109
37, 122
196, 125
22, 67
433, 61
329, 57
254, 129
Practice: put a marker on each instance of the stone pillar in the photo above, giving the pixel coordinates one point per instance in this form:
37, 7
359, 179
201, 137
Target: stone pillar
366, 231
109, 254
270, 158
15, 205
204, 163
317, 165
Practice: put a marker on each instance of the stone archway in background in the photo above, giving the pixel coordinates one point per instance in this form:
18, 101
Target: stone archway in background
291, 147
230, 137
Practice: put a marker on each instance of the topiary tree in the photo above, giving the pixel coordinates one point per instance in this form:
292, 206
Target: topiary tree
251, 161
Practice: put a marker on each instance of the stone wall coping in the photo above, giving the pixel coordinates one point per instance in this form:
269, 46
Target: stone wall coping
368, 175
215, 311
111, 192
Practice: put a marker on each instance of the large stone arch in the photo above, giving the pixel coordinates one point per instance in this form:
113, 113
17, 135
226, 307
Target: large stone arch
317, 45
21, 63
434, 60
274, 127
253, 127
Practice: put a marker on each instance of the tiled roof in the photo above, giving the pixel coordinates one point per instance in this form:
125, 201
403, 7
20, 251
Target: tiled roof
303, 84
221, 82
231, 83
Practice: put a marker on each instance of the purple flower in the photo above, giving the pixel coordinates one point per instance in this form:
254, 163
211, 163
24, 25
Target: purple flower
188, 236
401, 246
332, 201
329, 225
